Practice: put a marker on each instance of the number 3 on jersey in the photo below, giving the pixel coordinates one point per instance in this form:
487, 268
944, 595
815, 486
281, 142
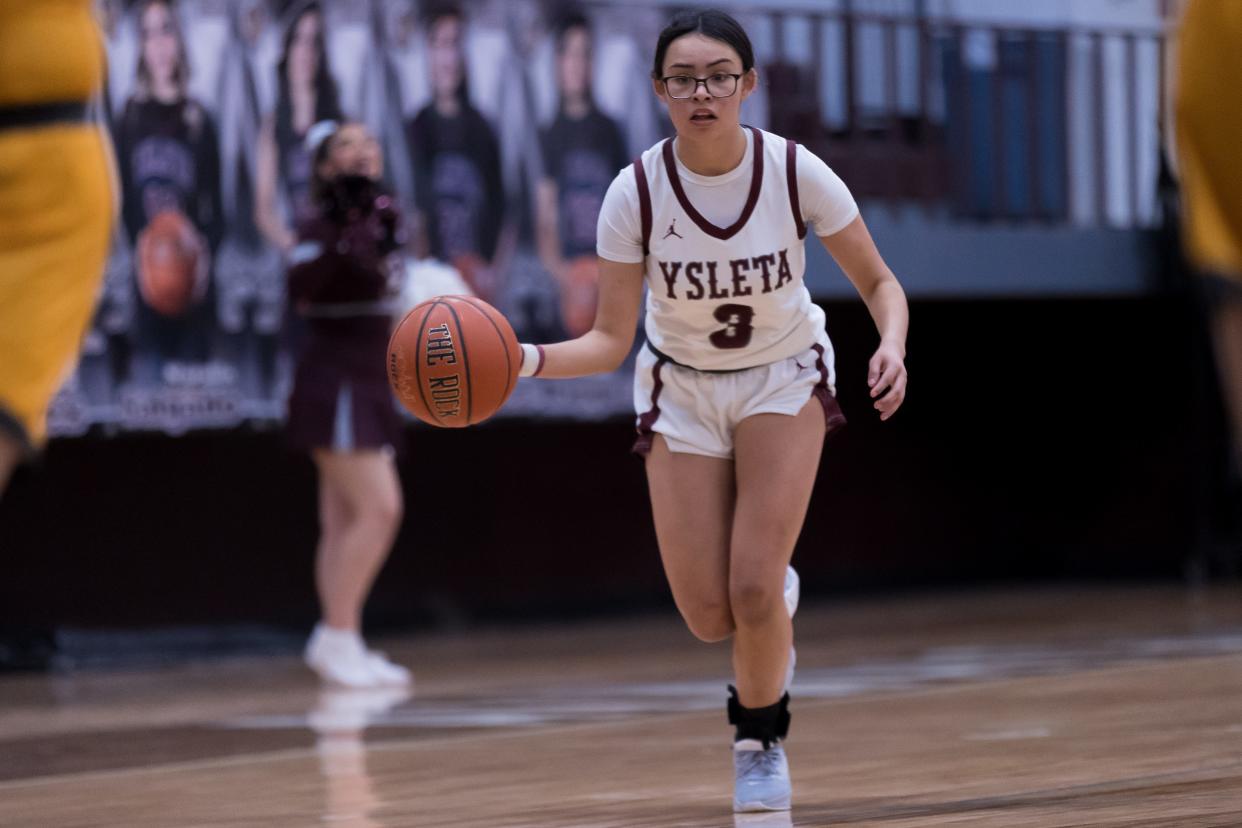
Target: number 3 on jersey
737, 330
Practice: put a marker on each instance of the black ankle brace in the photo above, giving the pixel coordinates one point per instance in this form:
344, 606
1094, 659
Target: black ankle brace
764, 724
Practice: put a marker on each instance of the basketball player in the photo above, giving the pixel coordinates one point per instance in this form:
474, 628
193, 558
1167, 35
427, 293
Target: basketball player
734, 387
340, 409
1209, 129
56, 207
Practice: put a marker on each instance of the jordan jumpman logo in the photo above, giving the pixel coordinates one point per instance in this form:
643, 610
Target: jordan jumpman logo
672, 231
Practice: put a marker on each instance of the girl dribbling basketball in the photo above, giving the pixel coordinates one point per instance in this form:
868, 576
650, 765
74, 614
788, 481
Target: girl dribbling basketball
734, 386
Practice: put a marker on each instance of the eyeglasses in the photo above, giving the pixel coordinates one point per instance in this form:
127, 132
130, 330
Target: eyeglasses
718, 85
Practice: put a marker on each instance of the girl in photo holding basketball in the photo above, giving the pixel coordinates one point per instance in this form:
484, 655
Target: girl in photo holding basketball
734, 387
340, 408
169, 162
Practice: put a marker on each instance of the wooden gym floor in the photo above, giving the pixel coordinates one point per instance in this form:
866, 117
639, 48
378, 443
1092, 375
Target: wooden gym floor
1085, 707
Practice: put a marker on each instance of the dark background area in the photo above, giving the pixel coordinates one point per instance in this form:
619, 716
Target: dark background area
1042, 440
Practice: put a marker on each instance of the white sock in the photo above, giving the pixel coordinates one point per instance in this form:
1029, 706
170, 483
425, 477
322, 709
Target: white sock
747, 744
338, 639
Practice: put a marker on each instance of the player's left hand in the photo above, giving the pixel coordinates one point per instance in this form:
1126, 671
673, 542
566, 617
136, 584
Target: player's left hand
886, 377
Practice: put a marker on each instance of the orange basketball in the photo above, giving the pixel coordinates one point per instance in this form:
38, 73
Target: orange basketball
580, 294
172, 266
453, 361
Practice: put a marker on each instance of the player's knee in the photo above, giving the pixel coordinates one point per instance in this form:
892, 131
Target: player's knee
711, 631
709, 622
383, 509
754, 599
389, 509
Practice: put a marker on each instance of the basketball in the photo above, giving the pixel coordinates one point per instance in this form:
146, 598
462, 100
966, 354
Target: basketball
580, 294
453, 361
172, 267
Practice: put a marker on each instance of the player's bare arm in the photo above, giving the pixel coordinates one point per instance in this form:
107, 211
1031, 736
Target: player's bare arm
855, 252
605, 346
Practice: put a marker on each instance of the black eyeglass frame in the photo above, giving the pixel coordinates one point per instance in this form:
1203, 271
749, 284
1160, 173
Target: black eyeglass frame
735, 75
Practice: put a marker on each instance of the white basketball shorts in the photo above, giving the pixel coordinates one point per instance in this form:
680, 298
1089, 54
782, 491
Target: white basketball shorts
697, 411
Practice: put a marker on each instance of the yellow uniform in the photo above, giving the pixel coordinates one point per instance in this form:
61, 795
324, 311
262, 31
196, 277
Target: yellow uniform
56, 201
1209, 134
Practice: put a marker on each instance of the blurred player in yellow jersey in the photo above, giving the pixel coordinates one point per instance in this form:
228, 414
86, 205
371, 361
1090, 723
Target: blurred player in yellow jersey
1209, 148
56, 207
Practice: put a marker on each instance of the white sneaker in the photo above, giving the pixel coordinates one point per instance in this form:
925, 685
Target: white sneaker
388, 673
340, 657
760, 777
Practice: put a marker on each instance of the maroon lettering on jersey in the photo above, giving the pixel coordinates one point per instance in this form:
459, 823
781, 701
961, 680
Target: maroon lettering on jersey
739, 268
692, 269
784, 274
737, 330
735, 285
714, 292
765, 261
669, 269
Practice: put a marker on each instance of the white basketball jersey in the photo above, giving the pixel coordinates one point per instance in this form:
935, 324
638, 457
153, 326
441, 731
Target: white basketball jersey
727, 298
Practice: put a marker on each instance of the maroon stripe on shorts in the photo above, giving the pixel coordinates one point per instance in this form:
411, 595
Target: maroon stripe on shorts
642, 445
834, 417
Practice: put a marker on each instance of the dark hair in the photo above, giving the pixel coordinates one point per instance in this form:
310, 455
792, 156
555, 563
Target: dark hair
433, 13
327, 103
713, 23
181, 74
566, 23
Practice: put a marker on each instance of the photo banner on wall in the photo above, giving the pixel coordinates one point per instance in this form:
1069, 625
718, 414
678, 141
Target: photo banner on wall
502, 125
